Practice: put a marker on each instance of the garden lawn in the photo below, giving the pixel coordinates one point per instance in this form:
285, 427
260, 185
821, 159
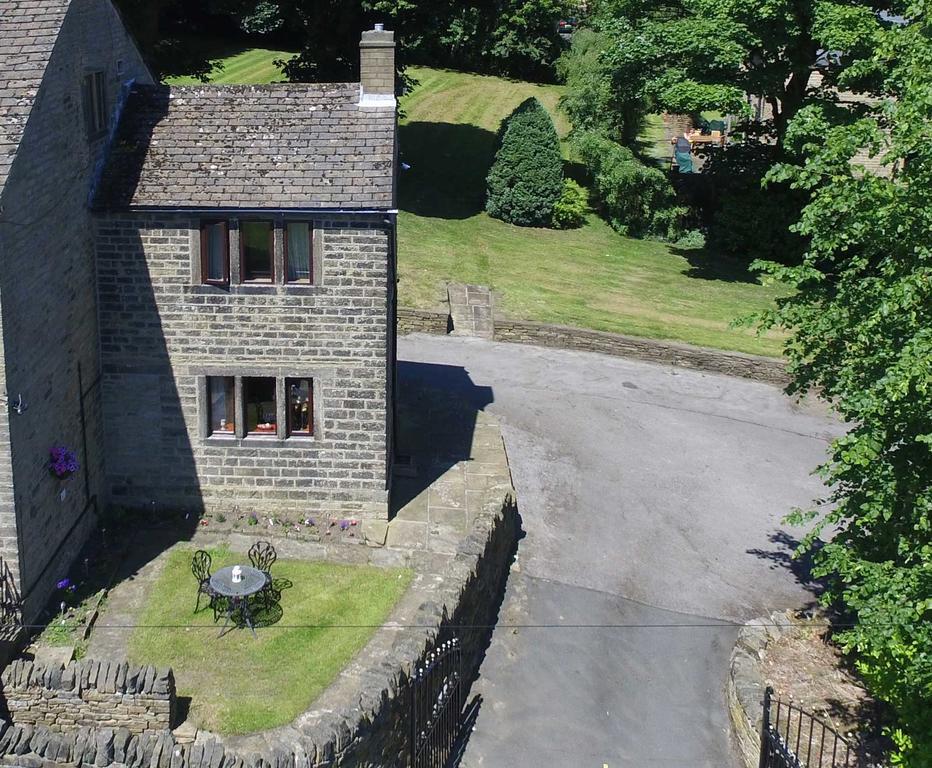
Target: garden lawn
241, 684
590, 277
249, 67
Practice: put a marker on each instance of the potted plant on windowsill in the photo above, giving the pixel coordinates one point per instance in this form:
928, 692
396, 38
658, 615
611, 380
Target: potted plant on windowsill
63, 462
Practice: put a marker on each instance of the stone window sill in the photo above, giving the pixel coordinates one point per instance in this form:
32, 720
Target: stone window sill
247, 289
252, 441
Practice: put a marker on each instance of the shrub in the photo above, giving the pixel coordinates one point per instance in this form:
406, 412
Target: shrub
570, 210
746, 219
691, 239
526, 178
636, 199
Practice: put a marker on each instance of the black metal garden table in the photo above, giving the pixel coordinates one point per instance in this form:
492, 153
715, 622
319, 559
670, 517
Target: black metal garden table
237, 593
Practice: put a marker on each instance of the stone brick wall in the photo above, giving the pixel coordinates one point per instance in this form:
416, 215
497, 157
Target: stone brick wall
377, 62
744, 686
89, 693
162, 333
422, 321
49, 310
766, 369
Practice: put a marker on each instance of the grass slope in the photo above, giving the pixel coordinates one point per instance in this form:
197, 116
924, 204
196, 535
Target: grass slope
241, 684
249, 67
590, 277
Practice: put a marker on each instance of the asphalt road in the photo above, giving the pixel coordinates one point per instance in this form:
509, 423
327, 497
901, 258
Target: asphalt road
651, 498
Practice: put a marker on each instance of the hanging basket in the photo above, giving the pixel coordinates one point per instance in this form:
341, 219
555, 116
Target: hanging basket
63, 462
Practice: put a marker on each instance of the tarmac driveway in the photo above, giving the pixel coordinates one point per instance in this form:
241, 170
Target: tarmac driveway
651, 498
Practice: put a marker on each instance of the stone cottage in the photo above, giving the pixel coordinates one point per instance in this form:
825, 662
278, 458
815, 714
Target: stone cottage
197, 288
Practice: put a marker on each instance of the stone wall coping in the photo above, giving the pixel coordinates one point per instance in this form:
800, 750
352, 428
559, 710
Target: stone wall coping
89, 674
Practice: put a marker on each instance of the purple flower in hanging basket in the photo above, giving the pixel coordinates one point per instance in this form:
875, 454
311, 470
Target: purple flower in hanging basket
62, 461
64, 584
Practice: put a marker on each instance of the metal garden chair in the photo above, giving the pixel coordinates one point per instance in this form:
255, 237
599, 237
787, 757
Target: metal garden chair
200, 567
262, 555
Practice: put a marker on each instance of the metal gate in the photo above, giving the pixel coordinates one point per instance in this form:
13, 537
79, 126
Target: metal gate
437, 697
793, 738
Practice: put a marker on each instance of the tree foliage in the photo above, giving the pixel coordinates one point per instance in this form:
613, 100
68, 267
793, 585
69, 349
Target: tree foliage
704, 55
637, 199
526, 178
861, 325
518, 38
569, 212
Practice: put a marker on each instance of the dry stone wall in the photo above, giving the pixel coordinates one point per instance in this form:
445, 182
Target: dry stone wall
767, 369
422, 321
89, 693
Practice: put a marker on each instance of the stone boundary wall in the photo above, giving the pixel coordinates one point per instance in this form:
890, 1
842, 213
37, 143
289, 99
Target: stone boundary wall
422, 321
89, 693
766, 369
371, 731
744, 687
758, 368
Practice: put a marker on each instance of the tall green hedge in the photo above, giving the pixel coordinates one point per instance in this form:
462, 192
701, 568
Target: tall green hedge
526, 178
637, 199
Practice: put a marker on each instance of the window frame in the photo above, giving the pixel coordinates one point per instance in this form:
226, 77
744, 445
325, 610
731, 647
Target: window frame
211, 432
311, 233
94, 96
205, 270
242, 253
312, 421
245, 406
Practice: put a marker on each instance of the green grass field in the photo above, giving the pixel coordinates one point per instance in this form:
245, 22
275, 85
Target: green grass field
241, 684
590, 277
250, 67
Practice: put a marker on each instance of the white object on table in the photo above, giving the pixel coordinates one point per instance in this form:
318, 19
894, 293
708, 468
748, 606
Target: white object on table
237, 575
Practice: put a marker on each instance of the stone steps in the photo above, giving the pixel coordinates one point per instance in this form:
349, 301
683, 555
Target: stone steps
471, 310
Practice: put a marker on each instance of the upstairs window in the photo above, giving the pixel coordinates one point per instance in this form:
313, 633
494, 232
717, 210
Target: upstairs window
256, 251
94, 96
261, 412
221, 399
215, 253
300, 394
298, 257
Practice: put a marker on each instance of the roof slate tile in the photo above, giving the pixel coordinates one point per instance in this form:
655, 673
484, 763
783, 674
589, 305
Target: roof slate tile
28, 31
285, 145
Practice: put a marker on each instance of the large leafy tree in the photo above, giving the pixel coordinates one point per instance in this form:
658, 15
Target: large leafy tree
860, 319
510, 37
688, 56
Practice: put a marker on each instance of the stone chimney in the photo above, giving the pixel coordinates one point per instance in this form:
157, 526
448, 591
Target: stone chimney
377, 68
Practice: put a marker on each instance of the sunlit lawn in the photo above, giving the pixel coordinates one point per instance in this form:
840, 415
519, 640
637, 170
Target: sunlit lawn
241, 684
249, 67
590, 277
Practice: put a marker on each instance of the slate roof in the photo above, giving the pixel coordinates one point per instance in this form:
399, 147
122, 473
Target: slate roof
28, 31
250, 146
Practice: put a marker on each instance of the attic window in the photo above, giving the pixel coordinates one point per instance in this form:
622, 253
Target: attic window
94, 96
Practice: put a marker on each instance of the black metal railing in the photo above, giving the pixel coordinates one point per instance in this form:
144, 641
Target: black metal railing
794, 738
437, 697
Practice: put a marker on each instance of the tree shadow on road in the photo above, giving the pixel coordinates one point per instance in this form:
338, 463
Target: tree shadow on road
783, 556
